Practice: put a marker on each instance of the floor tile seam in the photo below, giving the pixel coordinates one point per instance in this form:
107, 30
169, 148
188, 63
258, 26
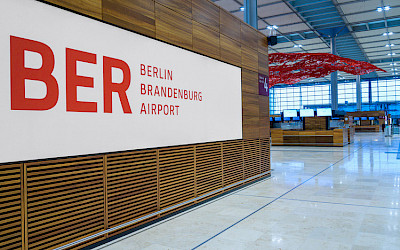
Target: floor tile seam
327, 202
179, 215
279, 197
312, 151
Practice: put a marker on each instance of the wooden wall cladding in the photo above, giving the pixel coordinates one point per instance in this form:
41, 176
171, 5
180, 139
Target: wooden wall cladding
131, 185
92, 8
176, 175
138, 15
65, 201
208, 168
11, 207
51, 203
61, 201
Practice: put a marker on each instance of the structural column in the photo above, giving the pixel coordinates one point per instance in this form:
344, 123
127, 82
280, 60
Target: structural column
358, 92
334, 84
250, 13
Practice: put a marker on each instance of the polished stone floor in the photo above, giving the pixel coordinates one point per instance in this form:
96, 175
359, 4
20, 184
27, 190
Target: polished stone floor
317, 198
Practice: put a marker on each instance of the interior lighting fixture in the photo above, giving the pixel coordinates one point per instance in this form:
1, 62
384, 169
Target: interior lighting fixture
387, 33
241, 8
390, 45
391, 54
385, 8
391, 64
273, 27
394, 69
297, 46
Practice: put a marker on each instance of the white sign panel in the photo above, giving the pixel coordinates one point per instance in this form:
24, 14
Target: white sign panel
71, 85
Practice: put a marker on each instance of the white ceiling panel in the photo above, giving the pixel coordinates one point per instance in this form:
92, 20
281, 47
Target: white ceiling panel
261, 2
381, 49
273, 10
293, 18
394, 11
294, 28
373, 15
370, 5
380, 44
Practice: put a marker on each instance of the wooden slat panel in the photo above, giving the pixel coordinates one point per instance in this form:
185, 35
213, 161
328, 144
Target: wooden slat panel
249, 36
249, 58
229, 25
252, 163
265, 155
262, 44
232, 161
205, 40
263, 105
250, 104
170, 159
251, 127
131, 185
263, 127
184, 7
249, 81
10, 207
70, 210
263, 63
208, 167
231, 50
136, 15
88, 7
206, 13
173, 27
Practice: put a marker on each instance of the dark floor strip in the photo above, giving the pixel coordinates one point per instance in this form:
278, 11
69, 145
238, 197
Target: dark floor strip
327, 202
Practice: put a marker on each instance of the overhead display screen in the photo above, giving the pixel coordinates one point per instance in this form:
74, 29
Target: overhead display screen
290, 113
324, 112
307, 112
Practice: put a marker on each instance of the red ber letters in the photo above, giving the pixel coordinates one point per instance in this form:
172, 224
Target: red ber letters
73, 81
19, 73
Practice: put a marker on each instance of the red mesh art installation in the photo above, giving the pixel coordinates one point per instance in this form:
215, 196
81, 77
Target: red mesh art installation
290, 68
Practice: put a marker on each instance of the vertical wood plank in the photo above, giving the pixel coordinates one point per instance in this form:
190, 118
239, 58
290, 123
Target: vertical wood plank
194, 172
158, 181
24, 203
105, 193
222, 165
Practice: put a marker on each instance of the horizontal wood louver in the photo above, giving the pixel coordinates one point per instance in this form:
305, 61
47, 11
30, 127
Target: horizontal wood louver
251, 158
208, 167
131, 185
10, 207
176, 175
65, 200
265, 155
232, 161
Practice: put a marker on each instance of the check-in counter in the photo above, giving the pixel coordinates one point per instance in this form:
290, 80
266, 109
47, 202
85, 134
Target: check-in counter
369, 128
335, 137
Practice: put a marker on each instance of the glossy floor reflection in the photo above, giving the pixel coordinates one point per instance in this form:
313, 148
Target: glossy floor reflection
317, 198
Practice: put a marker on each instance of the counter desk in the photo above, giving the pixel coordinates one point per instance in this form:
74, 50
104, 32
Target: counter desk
335, 137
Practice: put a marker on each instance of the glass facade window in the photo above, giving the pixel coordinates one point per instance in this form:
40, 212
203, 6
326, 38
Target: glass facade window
373, 92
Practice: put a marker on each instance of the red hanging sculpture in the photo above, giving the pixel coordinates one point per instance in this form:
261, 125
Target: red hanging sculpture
291, 68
